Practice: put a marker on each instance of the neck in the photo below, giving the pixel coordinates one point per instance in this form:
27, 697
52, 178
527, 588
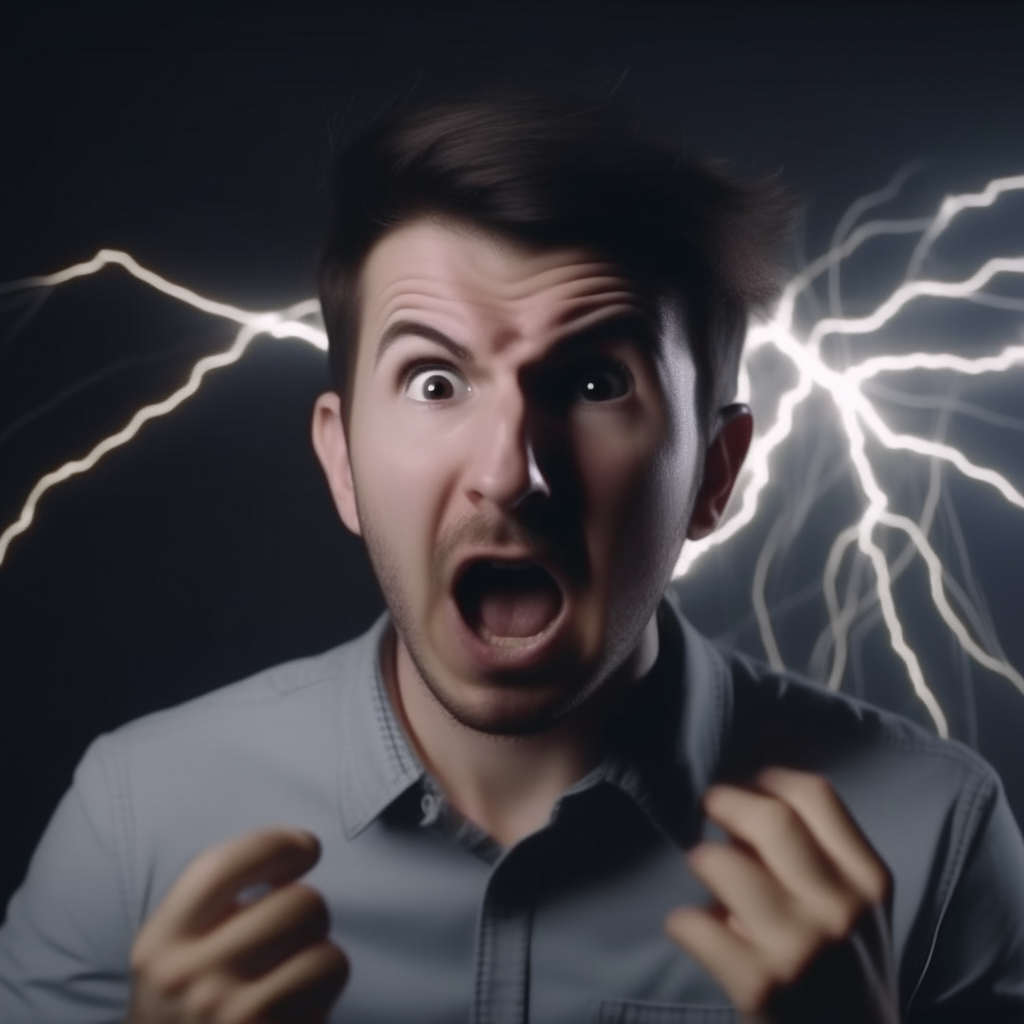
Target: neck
508, 785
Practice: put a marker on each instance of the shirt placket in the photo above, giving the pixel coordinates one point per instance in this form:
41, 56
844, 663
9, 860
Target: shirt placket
501, 975
502, 971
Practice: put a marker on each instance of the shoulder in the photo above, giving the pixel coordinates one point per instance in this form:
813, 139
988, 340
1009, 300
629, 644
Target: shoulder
783, 714
924, 803
759, 716
288, 703
261, 752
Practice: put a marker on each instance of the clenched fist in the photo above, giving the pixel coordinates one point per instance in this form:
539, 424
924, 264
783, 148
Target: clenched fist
799, 930
209, 955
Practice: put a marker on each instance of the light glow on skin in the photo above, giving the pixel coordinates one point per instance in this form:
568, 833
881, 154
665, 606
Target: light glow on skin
517, 330
856, 414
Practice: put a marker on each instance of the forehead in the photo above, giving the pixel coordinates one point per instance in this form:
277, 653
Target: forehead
488, 289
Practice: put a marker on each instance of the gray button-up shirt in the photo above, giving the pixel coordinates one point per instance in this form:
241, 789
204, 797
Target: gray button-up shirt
440, 923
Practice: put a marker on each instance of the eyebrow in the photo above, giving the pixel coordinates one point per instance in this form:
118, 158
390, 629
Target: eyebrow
413, 328
633, 325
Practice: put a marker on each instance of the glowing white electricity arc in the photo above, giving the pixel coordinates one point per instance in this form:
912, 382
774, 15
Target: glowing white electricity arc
285, 323
953, 206
844, 387
268, 322
856, 413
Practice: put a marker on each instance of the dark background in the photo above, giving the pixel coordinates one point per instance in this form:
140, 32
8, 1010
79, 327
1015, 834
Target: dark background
196, 138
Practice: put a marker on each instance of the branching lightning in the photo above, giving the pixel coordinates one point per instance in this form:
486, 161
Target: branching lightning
859, 423
856, 413
286, 323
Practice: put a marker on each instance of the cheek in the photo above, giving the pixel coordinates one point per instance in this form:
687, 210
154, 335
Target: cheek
402, 486
638, 483
625, 465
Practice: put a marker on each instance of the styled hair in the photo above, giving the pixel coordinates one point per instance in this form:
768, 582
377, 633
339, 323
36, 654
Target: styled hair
552, 172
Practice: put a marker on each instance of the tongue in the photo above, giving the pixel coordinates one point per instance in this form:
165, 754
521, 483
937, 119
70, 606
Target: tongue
518, 603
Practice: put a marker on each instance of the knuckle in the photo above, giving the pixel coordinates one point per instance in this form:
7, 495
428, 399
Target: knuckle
145, 950
237, 1011
809, 789
307, 897
310, 907
166, 975
205, 1000
775, 817
336, 962
206, 866
839, 918
678, 923
331, 971
140, 957
816, 785
880, 883
755, 992
793, 952
716, 796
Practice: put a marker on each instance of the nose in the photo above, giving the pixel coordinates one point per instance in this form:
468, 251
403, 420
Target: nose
503, 468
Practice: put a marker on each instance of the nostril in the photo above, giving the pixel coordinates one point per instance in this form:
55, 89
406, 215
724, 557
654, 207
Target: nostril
505, 470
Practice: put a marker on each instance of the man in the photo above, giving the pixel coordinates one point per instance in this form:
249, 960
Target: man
532, 792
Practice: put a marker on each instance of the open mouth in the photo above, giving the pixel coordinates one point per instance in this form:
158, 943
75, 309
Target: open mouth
507, 602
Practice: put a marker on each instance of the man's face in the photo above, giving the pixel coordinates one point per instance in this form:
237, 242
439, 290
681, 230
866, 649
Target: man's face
522, 456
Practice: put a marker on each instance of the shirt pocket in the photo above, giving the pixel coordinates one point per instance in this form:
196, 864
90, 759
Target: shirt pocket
618, 1011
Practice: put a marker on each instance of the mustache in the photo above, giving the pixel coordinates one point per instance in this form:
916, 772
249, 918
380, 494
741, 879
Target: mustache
492, 532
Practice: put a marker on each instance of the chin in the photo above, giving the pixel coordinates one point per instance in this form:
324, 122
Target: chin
503, 708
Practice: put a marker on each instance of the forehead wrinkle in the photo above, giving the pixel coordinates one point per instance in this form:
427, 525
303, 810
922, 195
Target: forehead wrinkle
417, 294
586, 275
478, 289
496, 293
409, 304
574, 322
482, 260
552, 328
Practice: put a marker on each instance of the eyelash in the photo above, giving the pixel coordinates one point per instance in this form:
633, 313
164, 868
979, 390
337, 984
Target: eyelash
603, 364
412, 370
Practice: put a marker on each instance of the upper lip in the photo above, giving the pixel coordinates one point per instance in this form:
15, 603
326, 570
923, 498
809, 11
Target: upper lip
509, 556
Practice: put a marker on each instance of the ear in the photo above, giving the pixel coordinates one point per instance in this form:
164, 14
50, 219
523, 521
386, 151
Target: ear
331, 447
722, 462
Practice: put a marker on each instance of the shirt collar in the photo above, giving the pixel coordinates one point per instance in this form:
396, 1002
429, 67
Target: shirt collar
376, 762
667, 757
670, 745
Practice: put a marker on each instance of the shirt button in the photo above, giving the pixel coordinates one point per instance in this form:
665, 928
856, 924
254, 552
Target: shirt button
430, 805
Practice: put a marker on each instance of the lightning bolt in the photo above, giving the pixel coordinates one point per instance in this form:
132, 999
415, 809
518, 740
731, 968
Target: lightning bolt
857, 417
804, 351
286, 323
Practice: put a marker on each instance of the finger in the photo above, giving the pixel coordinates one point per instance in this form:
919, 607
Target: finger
265, 933
765, 912
722, 953
825, 816
305, 984
776, 832
205, 892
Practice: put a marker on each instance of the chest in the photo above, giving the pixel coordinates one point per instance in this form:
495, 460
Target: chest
562, 930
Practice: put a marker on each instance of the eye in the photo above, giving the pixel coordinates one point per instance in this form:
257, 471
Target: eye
602, 382
435, 384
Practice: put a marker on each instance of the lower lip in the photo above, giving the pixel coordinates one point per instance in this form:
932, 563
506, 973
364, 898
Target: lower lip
509, 654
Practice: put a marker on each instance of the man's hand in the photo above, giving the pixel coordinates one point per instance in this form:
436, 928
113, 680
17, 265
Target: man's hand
800, 927
205, 955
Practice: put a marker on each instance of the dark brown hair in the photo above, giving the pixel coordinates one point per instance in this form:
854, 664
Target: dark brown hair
551, 172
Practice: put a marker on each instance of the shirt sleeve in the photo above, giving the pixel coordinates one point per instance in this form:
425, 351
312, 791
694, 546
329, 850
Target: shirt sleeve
976, 969
65, 943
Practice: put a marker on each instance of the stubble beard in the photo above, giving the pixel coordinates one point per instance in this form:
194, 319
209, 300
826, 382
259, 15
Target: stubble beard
530, 717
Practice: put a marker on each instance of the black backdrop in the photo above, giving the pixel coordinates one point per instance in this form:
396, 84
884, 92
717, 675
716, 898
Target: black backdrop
196, 138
